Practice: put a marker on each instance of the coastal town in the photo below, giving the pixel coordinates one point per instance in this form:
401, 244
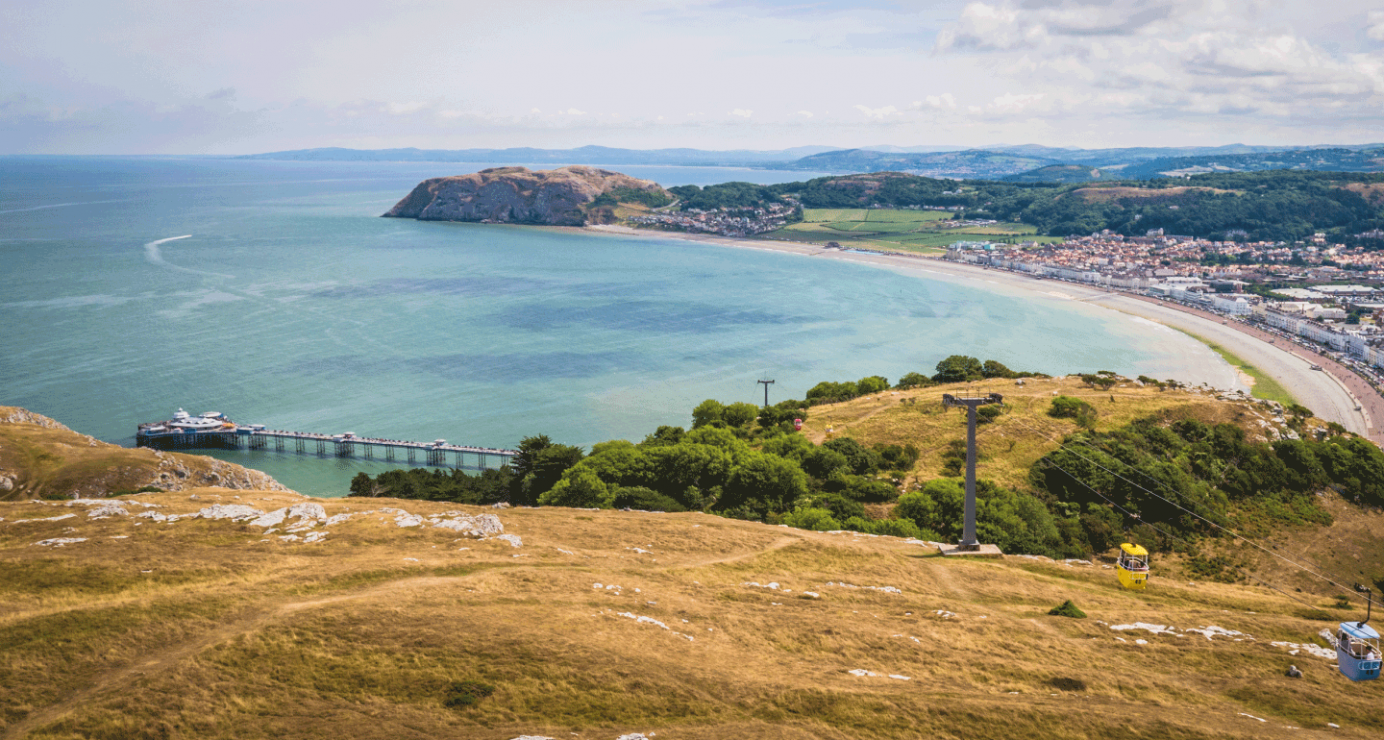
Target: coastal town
1326, 296
735, 222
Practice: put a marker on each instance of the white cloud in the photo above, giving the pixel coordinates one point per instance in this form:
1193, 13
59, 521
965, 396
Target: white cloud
945, 101
742, 112
805, 113
1376, 25
403, 109
572, 112
880, 113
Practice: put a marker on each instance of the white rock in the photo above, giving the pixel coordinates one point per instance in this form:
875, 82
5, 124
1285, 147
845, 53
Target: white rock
483, 525
234, 512
272, 519
861, 672
512, 539
307, 510
45, 519
644, 620
60, 541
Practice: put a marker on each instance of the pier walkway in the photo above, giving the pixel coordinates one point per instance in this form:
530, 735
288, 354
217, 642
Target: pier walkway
333, 445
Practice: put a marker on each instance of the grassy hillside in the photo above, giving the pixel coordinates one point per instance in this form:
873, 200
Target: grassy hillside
926, 231
1017, 438
217, 629
41, 458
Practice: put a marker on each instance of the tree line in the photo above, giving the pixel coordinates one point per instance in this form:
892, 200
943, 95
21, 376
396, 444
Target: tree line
741, 461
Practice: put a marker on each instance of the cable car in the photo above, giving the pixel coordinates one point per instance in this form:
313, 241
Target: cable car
1357, 651
1133, 566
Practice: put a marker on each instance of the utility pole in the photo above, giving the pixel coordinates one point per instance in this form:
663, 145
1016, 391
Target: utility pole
969, 544
766, 384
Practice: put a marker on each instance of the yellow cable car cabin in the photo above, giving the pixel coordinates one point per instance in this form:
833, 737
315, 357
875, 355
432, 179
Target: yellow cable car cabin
1133, 566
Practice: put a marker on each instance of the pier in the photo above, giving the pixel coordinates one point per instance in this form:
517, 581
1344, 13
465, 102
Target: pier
254, 437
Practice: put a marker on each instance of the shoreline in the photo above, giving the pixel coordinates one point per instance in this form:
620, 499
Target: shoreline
1333, 393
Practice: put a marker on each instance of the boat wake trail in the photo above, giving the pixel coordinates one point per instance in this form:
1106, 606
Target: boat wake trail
154, 256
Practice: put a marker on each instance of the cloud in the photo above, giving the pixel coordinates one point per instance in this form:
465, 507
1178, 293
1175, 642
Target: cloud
742, 112
1376, 25
403, 109
804, 113
879, 113
225, 93
572, 112
944, 101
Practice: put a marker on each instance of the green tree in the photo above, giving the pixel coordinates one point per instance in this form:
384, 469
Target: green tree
914, 380
538, 466
707, 412
581, 488
871, 384
739, 414
993, 369
957, 369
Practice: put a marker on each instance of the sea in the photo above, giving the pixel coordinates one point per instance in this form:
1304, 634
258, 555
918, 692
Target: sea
274, 293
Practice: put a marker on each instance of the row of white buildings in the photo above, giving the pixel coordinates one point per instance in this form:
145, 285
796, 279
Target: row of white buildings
1305, 319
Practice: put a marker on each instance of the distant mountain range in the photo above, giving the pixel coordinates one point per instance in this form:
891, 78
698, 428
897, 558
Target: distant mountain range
528, 155
1022, 163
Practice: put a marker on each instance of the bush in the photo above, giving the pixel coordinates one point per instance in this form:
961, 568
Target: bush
644, 499
860, 460
987, 414
891, 527
467, 693
914, 380
1067, 609
817, 520
841, 508
1066, 407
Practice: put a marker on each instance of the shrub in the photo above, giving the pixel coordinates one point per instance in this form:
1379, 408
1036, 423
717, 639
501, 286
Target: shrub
1067, 684
1066, 407
817, 520
467, 693
1068, 609
987, 414
644, 499
914, 380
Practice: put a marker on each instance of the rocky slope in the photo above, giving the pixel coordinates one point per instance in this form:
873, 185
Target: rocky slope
41, 458
515, 195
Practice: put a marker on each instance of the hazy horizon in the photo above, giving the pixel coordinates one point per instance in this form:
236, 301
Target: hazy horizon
187, 78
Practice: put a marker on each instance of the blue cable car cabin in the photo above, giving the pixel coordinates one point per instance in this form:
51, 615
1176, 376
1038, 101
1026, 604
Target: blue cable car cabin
1357, 651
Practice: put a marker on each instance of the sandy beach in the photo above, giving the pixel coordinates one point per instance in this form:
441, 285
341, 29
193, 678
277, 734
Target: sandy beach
1334, 394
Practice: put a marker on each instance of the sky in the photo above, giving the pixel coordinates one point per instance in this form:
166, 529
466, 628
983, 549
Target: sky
244, 76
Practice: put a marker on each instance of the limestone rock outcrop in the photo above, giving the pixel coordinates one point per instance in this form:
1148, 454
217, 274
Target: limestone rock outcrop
515, 195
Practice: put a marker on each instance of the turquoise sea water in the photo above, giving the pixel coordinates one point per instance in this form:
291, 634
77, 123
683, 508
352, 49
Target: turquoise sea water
271, 291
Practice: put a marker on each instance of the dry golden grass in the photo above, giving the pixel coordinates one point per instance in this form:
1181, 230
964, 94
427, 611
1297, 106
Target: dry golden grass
200, 629
1024, 433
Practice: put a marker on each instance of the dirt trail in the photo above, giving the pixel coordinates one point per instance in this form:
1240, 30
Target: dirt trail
251, 619
777, 544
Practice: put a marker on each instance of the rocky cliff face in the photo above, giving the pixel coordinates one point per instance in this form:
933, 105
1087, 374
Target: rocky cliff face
515, 195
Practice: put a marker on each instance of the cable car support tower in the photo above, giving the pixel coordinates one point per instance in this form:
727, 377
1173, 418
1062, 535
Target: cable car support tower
969, 544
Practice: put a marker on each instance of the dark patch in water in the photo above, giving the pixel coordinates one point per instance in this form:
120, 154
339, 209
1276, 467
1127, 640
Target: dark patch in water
469, 286
643, 316
483, 368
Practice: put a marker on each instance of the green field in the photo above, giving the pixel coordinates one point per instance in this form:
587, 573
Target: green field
1265, 387
906, 230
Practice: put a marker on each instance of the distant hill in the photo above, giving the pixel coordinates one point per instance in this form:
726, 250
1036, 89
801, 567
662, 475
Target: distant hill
567, 196
1319, 160
972, 163
527, 155
1058, 173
